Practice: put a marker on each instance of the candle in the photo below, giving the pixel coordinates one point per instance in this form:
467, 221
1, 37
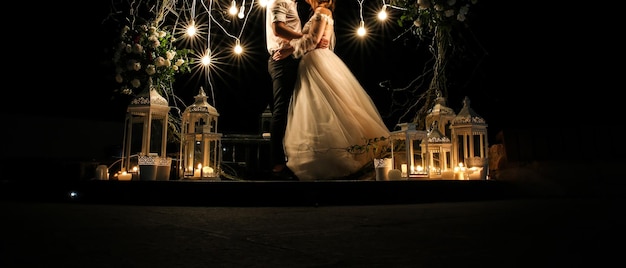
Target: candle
207, 171
394, 175
404, 170
124, 176
197, 173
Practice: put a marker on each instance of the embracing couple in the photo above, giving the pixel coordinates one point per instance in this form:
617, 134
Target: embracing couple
319, 108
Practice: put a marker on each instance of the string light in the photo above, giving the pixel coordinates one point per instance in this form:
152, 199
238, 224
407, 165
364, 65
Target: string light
382, 15
238, 49
241, 10
361, 30
233, 8
191, 29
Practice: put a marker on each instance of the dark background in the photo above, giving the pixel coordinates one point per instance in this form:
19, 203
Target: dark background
544, 66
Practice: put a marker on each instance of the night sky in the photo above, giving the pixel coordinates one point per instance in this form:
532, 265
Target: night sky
530, 74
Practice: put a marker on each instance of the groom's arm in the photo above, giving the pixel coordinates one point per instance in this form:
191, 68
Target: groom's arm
281, 30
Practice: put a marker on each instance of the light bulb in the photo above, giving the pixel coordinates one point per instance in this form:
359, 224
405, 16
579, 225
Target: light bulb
382, 15
238, 48
191, 29
263, 3
241, 12
233, 8
361, 30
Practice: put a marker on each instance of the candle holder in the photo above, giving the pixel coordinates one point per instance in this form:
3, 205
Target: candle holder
409, 150
200, 143
145, 132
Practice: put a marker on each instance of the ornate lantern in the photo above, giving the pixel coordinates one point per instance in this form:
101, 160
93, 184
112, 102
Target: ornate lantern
410, 151
469, 143
200, 142
440, 153
145, 135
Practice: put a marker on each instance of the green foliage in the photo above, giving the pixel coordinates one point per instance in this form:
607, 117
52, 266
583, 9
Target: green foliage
426, 16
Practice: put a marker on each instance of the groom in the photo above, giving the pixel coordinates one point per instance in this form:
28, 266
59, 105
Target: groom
282, 22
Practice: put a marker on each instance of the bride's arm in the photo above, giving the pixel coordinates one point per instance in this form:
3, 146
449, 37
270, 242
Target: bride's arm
310, 39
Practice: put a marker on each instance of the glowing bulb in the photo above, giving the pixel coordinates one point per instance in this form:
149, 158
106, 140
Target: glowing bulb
206, 60
191, 29
382, 15
241, 11
233, 8
263, 3
238, 48
361, 30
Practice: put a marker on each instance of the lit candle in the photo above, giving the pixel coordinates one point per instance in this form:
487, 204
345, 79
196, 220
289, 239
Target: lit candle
124, 176
207, 171
196, 173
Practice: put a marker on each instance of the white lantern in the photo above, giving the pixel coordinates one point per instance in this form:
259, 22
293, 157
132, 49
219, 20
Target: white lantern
410, 150
145, 134
200, 142
469, 142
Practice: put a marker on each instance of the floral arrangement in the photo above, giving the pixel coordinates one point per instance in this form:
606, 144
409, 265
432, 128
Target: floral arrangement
146, 54
428, 15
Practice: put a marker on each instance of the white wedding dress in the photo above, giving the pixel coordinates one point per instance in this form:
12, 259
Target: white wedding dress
329, 111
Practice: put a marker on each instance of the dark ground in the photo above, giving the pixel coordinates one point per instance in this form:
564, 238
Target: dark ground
536, 232
521, 223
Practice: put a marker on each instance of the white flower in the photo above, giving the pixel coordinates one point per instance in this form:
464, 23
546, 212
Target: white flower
162, 34
460, 17
175, 68
119, 78
135, 82
179, 62
154, 41
159, 61
150, 69
136, 66
137, 48
170, 54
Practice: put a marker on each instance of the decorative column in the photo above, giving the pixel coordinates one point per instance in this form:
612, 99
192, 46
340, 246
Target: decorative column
200, 143
145, 134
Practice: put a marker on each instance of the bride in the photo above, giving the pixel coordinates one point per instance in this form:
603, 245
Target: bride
329, 111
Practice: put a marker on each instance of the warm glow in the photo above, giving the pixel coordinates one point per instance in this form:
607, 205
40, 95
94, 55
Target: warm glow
191, 30
233, 8
241, 10
382, 15
206, 60
361, 30
262, 3
124, 176
238, 48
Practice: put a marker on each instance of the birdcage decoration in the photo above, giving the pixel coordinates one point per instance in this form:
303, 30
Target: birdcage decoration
410, 151
145, 135
200, 142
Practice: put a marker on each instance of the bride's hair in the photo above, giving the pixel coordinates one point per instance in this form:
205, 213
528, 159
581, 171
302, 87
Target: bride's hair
330, 4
